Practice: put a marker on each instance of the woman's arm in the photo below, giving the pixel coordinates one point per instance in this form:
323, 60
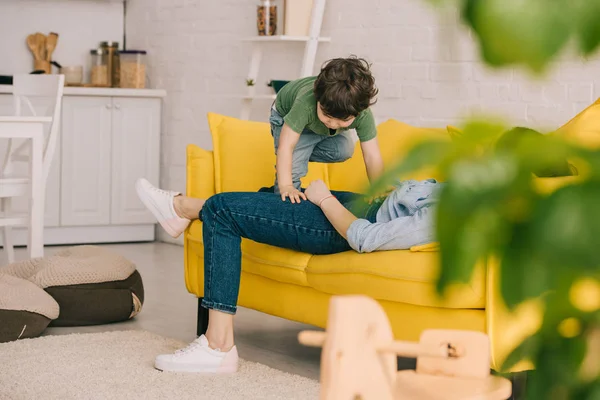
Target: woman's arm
372, 158
364, 236
341, 219
338, 215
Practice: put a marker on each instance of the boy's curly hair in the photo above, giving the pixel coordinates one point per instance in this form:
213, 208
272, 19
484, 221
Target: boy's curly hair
345, 87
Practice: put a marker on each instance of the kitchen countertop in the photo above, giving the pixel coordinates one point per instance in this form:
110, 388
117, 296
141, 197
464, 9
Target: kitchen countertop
108, 92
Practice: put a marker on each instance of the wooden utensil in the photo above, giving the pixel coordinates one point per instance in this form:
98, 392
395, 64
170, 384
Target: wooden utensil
32, 44
41, 45
51, 42
37, 44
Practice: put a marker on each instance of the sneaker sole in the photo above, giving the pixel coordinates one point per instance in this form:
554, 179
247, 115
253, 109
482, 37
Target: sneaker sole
147, 201
195, 369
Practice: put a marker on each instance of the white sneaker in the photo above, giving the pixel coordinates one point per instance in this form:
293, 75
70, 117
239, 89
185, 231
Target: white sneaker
199, 357
160, 204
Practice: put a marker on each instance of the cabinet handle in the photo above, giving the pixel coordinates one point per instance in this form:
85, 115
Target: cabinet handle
118, 106
108, 106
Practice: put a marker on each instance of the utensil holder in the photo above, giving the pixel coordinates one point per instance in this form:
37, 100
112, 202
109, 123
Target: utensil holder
42, 65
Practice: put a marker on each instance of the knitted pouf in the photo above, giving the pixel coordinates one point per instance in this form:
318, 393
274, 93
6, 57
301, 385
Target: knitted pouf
25, 309
91, 285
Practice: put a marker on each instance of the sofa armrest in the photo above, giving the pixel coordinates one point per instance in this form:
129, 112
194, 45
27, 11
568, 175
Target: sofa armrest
200, 183
200, 179
507, 329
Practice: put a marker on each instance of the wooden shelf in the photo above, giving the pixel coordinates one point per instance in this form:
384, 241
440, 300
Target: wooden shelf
283, 38
311, 42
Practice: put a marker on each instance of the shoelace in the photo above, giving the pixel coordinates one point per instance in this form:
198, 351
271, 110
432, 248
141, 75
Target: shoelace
160, 191
190, 348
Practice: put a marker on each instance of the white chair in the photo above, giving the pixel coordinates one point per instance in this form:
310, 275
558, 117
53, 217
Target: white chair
21, 129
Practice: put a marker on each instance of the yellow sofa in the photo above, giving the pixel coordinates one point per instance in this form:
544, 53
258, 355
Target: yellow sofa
297, 286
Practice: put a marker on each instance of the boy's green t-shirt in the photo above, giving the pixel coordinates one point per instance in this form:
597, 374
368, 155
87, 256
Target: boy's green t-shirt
297, 105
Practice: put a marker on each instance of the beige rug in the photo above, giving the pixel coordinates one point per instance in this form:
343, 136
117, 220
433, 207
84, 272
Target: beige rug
119, 365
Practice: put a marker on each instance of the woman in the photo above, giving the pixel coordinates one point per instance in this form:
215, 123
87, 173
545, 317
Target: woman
323, 225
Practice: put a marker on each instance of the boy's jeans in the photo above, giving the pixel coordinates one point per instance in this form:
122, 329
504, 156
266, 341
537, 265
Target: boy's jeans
311, 147
264, 218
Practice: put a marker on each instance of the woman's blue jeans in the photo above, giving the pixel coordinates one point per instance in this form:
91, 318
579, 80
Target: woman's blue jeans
263, 217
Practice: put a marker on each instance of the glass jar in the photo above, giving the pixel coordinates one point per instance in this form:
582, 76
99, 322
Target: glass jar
266, 18
112, 51
99, 68
133, 69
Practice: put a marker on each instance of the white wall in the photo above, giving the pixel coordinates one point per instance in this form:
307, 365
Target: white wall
81, 24
426, 67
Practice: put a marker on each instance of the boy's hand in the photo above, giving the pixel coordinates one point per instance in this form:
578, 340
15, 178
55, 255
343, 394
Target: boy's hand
290, 191
317, 191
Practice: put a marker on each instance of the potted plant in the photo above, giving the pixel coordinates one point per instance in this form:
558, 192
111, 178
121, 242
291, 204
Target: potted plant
277, 85
251, 87
546, 243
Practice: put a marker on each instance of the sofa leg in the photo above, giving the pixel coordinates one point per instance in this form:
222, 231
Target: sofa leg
202, 322
519, 385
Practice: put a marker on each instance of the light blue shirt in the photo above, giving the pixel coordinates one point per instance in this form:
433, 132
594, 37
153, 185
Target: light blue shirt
405, 219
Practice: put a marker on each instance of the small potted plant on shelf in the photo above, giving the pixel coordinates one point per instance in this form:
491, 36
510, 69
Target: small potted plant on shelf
277, 85
251, 87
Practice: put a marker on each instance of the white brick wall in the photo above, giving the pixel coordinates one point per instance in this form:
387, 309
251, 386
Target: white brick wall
426, 66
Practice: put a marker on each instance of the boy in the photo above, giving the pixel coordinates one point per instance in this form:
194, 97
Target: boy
311, 117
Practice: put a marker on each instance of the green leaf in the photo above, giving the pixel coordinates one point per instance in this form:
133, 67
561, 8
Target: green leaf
566, 227
523, 274
480, 134
529, 32
469, 12
426, 153
464, 240
423, 154
587, 14
470, 221
544, 155
557, 366
528, 349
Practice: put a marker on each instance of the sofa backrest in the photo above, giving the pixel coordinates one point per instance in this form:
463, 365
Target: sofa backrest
584, 128
395, 140
244, 156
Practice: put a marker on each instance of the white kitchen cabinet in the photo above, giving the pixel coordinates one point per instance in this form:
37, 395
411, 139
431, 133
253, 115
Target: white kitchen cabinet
135, 143
85, 169
108, 139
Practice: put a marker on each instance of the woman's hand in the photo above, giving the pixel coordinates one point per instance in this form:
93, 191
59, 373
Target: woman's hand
317, 191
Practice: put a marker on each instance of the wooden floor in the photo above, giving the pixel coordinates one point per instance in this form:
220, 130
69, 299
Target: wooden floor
169, 310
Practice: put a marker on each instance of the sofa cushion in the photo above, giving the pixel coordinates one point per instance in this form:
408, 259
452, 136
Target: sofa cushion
271, 262
400, 276
395, 140
275, 263
244, 155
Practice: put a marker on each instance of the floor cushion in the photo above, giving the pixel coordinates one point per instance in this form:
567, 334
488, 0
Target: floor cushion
25, 309
92, 285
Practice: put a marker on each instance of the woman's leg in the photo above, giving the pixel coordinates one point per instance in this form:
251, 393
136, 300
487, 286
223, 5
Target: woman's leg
187, 207
228, 217
162, 204
215, 351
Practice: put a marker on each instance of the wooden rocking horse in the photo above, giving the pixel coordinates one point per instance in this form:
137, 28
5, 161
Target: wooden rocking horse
359, 359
